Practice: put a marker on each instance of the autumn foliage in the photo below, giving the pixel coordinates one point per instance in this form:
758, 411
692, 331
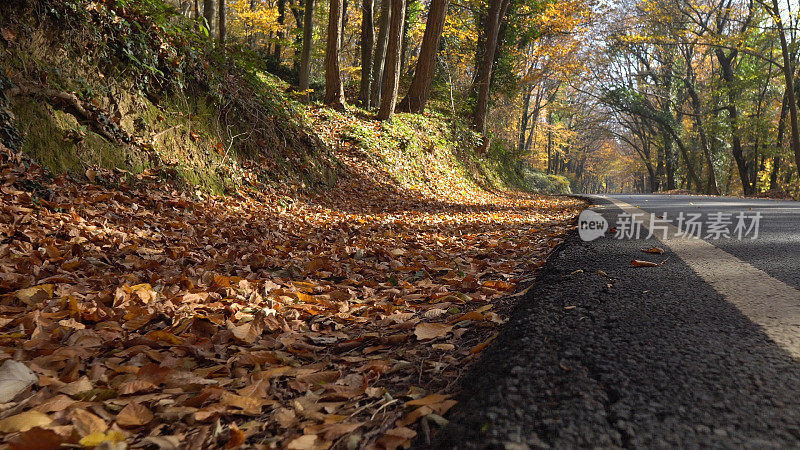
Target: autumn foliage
133, 312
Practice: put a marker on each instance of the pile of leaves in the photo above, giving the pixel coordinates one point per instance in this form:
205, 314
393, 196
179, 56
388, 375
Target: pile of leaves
133, 314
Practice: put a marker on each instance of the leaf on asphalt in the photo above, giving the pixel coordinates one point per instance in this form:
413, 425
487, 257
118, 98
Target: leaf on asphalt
15, 377
479, 348
655, 250
640, 263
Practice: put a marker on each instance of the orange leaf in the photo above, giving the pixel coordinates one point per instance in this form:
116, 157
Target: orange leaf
640, 263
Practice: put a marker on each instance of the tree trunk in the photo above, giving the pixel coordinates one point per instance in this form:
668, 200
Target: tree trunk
209, 13
223, 29
379, 61
345, 3
282, 21
334, 89
392, 77
297, 12
420, 88
367, 44
788, 75
776, 160
404, 47
726, 64
669, 160
497, 9
711, 187
305, 56
523, 120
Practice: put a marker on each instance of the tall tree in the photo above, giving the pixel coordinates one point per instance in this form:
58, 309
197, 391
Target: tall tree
305, 55
379, 60
404, 46
367, 44
209, 14
278, 49
420, 88
788, 76
497, 10
391, 79
223, 28
334, 89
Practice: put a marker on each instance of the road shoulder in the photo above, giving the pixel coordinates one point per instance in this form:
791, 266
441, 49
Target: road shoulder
601, 353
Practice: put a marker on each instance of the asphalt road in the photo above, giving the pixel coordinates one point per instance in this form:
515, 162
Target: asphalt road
700, 351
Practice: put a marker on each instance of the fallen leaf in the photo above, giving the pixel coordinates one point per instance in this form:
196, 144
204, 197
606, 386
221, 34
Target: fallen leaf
37, 439
235, 437
656, 250
478, 348
24, 421
35, 294
429, 400
248, 405
640, 263
397, 437
76, 387
15, 377
134, 415
87, 423
97, 438
308, 442
426, 330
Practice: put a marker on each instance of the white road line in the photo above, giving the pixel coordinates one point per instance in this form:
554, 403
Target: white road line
770, 303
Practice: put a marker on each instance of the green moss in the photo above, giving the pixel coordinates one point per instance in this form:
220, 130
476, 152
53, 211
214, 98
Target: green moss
56, 140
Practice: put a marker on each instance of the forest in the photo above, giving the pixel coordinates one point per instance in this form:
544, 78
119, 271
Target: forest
639, 96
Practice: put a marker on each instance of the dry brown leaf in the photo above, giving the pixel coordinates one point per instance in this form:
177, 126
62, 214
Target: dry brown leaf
426, 330
35, 294
398, 437
248, 405
134, 415
308, 442
135, 386
478, 348
76, 387
55, 404
37, 439
87, 423
429, 400
640, 263
24, 421
235, 437
15, 377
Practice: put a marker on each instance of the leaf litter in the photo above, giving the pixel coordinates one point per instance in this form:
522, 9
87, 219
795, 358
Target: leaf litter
134, 314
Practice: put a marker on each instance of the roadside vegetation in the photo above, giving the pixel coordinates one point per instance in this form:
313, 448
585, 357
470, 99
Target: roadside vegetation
194, 253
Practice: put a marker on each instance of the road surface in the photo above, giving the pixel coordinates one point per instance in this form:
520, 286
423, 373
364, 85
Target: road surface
700, 351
